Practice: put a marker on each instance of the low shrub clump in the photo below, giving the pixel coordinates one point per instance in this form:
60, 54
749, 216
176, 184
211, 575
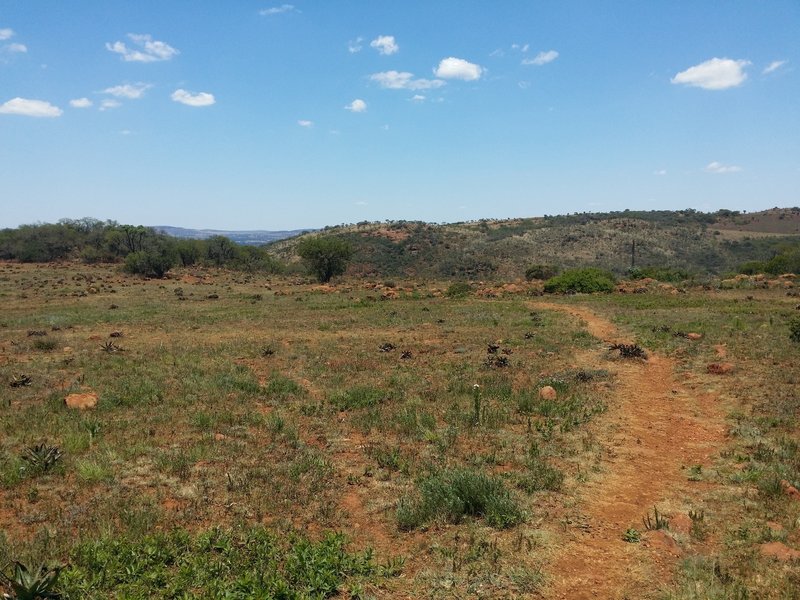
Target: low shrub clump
451, 495
580, 281
541, 272
250, 563
459, 289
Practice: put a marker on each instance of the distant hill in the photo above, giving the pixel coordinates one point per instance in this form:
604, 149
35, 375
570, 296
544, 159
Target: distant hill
702, 243
246, 238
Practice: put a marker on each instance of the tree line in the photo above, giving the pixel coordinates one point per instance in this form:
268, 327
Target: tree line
141, 249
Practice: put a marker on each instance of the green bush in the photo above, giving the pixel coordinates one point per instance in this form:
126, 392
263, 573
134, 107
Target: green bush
326, 256
581, 281
794, 329
541, 272
452, 495
153, 262
459, 289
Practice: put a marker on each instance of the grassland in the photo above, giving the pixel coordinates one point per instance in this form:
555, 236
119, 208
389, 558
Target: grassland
274, 437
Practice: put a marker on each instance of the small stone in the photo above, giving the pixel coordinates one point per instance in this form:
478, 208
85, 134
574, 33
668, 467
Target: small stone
720, 368
220, 436
548, 392
81, 401
694, 336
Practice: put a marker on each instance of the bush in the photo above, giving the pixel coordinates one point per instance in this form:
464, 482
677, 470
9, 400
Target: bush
666, 274
581, 281
541, 272
459, 289
153, 262
326, 256
794, 329
454, 494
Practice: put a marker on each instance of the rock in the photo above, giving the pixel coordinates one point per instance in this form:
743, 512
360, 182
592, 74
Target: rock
81, 401
779, 551
694, 336
220, 436
548, 392
790, 490
720, 368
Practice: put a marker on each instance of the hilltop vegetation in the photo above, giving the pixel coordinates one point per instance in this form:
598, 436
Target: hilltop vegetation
691, 241
665, 243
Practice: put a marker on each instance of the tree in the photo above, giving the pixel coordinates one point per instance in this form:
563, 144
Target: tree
326, 256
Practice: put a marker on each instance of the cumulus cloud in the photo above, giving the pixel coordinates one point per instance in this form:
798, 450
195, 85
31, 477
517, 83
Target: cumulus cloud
189, 99
16, 48
714, 74
145, 49
30, 108
357, 106
719, 169
110, 103
458, 68
80, 103
354, 46
385, 44
774, 66
127, 90
403, 80
6, 34
305, 123
542, 58
277, 10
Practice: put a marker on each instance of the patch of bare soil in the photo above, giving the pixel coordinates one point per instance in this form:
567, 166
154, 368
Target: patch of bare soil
653, 431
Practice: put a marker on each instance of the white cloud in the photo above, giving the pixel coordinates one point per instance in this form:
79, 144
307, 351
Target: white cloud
774, 66
402, 80
354, 46
524, 85
305, 123
719, 168
30, 108
521, 47
6, 34
150, 50
16, 48
418, 98
385, 44
80, 103
357, 106
109, 103
277, 10
714, 74
125, 132
130, 91
542, 58
497, 53
189, 99
458, 68
660, 172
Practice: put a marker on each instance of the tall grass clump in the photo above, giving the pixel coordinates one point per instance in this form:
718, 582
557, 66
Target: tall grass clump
452, 494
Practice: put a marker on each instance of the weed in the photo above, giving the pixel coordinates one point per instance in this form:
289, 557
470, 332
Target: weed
358, 397
659, 521
459, 289
794, 329
45, 344
629, 351
540, 476
42, 457
632, 536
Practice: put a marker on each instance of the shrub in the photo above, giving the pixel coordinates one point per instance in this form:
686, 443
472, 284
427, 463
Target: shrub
454, 494
326, 256
542, 272
154, 262
459, 289
667, 274
358, 397
581, 281
794, 329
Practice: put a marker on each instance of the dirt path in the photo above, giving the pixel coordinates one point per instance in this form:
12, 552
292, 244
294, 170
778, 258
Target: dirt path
653, 431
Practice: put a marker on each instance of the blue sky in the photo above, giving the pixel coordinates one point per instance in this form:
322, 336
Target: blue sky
272, 115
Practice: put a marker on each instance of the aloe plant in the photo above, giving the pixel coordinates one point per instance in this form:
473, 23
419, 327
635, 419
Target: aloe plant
35, 584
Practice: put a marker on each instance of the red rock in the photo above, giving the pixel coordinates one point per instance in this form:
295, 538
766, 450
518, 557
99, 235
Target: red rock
81, 401
779, 551
720, 368
548, 393
694, 336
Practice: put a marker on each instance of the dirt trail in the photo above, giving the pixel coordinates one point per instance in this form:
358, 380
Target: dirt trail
653, 431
